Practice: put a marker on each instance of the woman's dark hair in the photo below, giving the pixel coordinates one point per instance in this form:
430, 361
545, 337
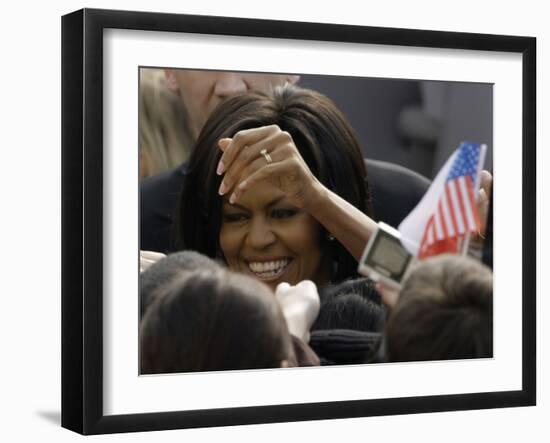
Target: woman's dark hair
444, 311
212, 320
324, 138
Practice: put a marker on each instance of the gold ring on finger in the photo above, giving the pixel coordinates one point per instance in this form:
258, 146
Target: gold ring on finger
266, 155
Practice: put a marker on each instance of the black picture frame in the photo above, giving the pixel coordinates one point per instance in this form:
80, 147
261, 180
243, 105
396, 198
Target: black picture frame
82, 218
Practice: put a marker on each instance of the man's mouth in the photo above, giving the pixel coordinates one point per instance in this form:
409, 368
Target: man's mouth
269, 270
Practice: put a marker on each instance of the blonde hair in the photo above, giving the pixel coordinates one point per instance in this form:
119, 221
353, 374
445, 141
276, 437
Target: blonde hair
165, 138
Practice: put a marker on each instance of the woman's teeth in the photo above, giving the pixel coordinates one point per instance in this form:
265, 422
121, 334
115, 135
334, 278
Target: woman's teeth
269, 268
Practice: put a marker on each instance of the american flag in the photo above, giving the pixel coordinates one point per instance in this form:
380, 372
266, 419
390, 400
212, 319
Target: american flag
448, 211
456, 212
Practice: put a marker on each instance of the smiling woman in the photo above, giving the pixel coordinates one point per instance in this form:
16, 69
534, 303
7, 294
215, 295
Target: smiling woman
266, 236
277, 188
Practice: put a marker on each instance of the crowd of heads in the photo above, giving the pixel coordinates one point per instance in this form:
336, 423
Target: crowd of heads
197, 315
201, 311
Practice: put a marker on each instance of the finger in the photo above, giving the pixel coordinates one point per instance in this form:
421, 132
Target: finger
485, 184
223, 143
241, 139
486, 181
307, 286
242, 164
267, 172
232, 189
305, 292
482, 198
483, 210
309, 289
263, 172
282, 287
274, 169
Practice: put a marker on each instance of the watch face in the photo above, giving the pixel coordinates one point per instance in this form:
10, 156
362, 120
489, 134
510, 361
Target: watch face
388, 257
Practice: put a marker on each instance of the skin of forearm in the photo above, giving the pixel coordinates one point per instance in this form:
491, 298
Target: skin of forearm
351, 227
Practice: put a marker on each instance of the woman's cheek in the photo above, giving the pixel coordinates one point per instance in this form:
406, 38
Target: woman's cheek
229, 243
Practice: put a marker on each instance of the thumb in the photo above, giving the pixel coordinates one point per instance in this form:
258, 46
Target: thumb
223, 143
282, 287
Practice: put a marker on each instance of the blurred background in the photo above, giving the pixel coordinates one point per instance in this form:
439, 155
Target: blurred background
416, 124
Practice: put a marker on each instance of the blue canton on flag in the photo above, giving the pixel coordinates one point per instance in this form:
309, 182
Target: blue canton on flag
466, 161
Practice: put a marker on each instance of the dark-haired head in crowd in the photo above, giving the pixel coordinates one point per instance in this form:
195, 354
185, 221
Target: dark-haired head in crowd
171, 273
444, 311
165, 270
212, 320
348, 329
266, 234
352, 304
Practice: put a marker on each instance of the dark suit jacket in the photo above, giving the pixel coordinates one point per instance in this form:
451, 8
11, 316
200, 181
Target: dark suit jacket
159, 197
395, 192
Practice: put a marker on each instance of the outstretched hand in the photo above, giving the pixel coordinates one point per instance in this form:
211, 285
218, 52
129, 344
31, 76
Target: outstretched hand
265, 153
300, 305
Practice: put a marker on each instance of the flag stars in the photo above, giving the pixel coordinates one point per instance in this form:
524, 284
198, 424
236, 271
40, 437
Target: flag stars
466, 161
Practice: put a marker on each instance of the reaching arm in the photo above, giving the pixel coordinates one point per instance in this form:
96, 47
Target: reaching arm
267, 153
344, 221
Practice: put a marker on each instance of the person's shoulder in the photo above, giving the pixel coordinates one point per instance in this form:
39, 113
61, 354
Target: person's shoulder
382, 171
395, 190
159, 193
165, 181
158, 204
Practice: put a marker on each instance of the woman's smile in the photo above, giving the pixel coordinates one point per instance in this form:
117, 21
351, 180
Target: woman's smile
266, 237
268, 269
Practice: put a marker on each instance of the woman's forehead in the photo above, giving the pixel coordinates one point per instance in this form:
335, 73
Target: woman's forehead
261, 194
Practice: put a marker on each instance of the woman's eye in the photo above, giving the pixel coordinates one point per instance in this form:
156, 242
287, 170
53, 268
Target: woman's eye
283, 213
233, 218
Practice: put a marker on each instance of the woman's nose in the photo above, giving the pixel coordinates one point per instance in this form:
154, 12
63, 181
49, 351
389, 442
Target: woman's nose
260, 235
229, 84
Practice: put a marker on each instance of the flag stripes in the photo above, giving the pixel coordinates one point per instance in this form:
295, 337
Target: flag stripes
453, 202
454, 216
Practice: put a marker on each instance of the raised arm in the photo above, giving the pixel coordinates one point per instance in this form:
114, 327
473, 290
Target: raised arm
344, 221
267, 153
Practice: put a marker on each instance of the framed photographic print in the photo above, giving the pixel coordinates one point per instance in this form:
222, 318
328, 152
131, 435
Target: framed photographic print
405, 98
